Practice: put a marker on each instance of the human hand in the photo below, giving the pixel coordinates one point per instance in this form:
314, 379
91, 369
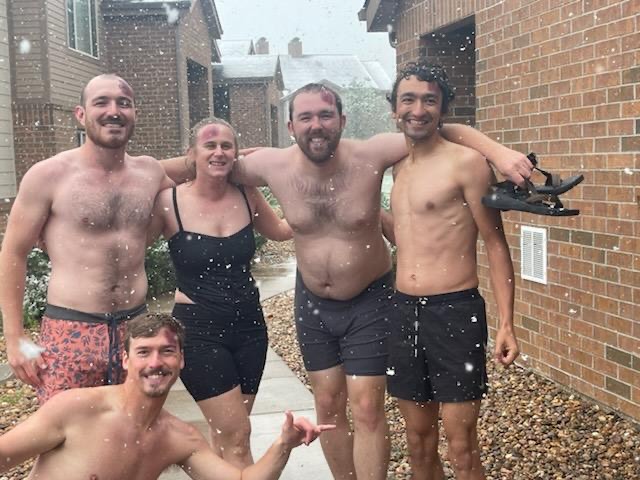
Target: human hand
506, 350
25, 359
300, 430
513, 165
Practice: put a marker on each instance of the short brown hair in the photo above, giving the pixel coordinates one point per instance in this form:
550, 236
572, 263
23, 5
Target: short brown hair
315, 88
149, 324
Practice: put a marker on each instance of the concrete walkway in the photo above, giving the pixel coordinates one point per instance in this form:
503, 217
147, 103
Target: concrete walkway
280, 390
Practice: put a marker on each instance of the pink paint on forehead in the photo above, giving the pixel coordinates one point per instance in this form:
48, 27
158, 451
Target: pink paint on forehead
125, 88
209, 131
327, 96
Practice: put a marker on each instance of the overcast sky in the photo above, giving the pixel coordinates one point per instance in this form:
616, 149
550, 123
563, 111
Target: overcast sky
324, 26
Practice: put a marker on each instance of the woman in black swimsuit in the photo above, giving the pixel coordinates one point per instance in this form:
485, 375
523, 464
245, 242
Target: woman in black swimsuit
209, 226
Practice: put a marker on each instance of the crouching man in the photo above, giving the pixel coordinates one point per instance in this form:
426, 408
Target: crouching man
122, 432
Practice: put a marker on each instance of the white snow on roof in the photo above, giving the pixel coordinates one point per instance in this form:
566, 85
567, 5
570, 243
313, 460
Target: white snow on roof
342, 70
246, 66
234, 48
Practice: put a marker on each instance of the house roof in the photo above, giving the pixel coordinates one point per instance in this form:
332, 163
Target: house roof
341, 70
233, 48
246, 67
378, 14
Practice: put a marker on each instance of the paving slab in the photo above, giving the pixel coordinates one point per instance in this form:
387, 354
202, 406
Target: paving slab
6, 373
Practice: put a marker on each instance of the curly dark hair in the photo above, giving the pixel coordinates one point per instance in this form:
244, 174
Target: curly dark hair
426, 72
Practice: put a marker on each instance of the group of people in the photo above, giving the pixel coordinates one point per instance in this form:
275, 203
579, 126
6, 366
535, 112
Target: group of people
95, 208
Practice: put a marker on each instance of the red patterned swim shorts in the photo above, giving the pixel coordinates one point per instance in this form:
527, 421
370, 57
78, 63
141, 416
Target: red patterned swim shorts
82, 349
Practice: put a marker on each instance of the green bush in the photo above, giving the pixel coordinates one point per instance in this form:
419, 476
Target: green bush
35, 291
159, 268
266, 191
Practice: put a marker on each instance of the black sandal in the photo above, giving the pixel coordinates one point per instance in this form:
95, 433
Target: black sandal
541, 200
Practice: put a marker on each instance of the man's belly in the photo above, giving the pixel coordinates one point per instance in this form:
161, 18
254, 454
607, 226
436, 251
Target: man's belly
93, 293
422, 278
341, 275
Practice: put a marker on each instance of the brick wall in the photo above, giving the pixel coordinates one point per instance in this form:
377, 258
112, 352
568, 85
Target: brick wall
40, 131
561, 79
142, 49
249, 109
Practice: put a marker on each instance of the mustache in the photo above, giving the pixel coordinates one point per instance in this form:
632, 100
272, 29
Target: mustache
113, 120
155, 371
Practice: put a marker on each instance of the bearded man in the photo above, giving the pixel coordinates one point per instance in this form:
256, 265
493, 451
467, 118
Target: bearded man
91, 206
329, 190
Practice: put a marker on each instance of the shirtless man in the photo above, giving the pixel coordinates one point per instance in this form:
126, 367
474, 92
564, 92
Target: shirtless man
437, 351
329, 190
91, 206
122, 432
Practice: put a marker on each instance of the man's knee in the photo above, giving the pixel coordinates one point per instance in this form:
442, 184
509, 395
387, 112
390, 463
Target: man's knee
422, 435
368, 411
235, 434
461, 453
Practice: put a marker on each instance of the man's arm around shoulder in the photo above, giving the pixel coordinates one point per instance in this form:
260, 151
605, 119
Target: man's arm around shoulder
256, 168
385, 149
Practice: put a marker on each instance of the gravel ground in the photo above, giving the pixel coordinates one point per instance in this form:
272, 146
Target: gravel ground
17, 402
273, 252
529, 427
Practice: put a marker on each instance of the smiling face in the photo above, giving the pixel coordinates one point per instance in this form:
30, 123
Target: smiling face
154, 363
108, 113
418, 108
316, 125
214, 151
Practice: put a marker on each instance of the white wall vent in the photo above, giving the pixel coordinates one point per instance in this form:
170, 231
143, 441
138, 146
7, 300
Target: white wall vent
533, 254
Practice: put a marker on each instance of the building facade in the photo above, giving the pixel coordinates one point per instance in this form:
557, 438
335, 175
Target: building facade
561, 79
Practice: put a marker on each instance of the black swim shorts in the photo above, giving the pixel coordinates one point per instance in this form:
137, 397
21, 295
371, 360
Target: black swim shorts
222, 351
437, 347
352, 332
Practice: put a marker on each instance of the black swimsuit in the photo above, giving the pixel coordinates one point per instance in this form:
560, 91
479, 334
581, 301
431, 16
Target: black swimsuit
226, 341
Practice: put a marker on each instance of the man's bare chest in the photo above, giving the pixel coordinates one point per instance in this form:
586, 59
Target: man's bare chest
110, 206
342, 202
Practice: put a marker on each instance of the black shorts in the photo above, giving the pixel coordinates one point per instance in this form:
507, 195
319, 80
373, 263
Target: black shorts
222, 352
437, 350
351, 332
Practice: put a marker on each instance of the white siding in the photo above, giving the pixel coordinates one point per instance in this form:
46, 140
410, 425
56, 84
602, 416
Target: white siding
7, 158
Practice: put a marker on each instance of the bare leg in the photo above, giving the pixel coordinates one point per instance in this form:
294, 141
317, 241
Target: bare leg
422, 439
229, 425
330, 394
460, 424
371, 444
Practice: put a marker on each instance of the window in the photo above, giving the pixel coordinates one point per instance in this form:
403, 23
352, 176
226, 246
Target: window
82, 26
81, 137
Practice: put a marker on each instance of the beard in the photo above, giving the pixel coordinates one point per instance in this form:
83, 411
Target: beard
160, 388
97, 134
319, 154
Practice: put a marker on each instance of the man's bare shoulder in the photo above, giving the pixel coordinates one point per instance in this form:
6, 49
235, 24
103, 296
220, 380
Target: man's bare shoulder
469, 162
77, 402
54, 167
144, 161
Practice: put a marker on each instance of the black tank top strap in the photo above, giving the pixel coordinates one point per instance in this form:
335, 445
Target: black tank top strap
246, 200
175, 208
